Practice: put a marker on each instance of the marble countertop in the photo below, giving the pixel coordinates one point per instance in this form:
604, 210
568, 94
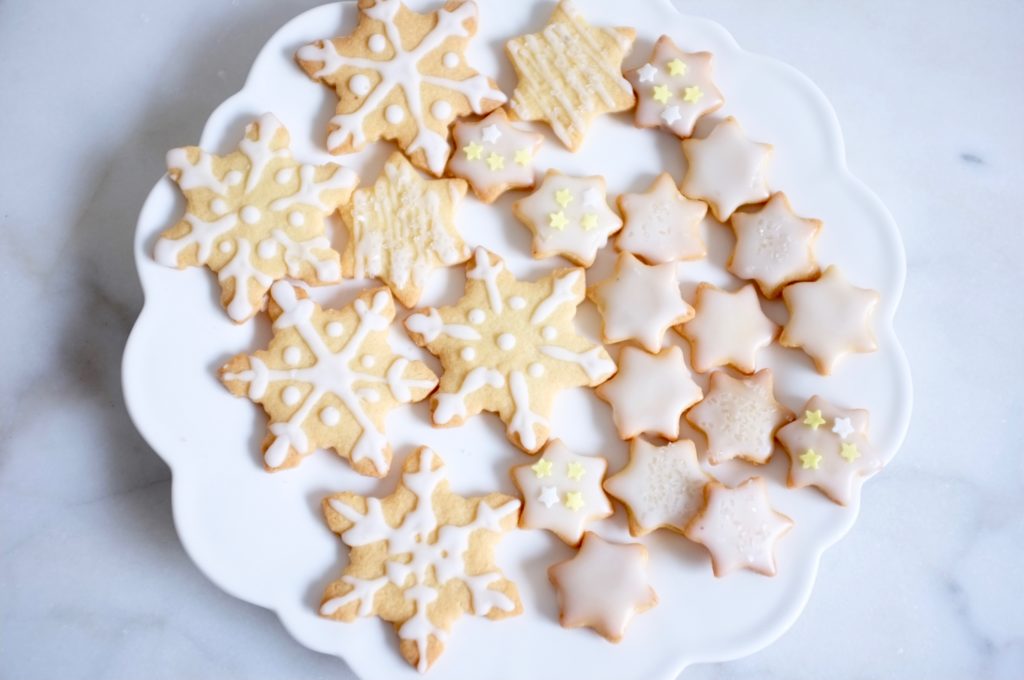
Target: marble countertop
93, 581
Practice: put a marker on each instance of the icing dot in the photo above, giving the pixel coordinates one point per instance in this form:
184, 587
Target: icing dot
330, 416
267, 248
441, 109
516, 302
233, 178
394, 114
225, 246
359, 84
367, 361
218, 206
334, 329
250, 214
535, 370
296, 219
506, 341
291, 395
548, 333
292, 355
477, 316
468, 354
450, 60
284, 175
377, 43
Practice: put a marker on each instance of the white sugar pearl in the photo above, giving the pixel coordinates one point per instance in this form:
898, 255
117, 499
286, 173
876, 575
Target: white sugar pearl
335, 329
506, 341
359, 85
394, 114
441, 110
224, 247
291, 395
218, 206
292, 355
516, 302
267, 248
548, 333
450, 60
330, 416
250, 214
296, 219
535, 370
477, 316
284, 175
377, 43
367, 360
468, 354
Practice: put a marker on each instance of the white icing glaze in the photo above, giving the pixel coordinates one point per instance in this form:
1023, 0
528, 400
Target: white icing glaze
431, 326
483, 270
493, 155
728, 329
449, 405
774, 246
726, 169
662, 225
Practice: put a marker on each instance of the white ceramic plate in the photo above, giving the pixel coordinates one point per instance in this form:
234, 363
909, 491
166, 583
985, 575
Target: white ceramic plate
260, 536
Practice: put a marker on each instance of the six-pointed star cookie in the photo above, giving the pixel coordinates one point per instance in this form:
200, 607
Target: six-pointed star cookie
662, 225
650, 392
328, 379
727, 329
726, 169
639, 302
403, 227
739, 527
254, 216
569, 73
829, 448
829, 318
603, 586
674, 88
774, 246
420, 558
493, 155
508, 347
401, 75
661, 486
568, 216
739, 417
562, 492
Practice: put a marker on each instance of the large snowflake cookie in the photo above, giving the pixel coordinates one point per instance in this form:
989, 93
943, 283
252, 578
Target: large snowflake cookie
327, 379
403, 227
254, 216
728, 329
508, 347
494, 155
569, 73
403, 76
662, 225
421, 557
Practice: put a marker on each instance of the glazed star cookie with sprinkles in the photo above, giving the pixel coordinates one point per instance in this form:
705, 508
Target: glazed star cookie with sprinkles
254, 216
562, 492
650, 392
829, 449
603, 586
327, 379
420, 558
674, 89
402, 76
493, 155
402, 228
570, 73
739, 527
739, 417
662, 225
728, 329
509, 347
829, 318
568, 216
726, 169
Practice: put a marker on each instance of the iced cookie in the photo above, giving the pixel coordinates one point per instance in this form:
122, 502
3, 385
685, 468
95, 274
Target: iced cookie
327, 379
570, 73
662, 487
568, 216
254, 216
739, 527
650, 392
562, 492
603, 586
420, 558
662, 225
639, 302
403, 76
739, 417
774, 247
493, 155
726, 169
402, 228
674, 89
829, 318
828, 448
728, 329
508, 347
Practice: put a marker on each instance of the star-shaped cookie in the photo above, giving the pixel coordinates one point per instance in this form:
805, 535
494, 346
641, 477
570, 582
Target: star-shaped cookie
603, 586
639, 302
726, 169
493, 155
650, 392
728, 329
402, 228
662, 225
829, 318
674, 88
739, 417
568, 216
569, 73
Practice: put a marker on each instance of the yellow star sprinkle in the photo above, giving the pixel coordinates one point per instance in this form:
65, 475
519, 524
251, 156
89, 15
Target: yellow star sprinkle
676, 67
523, 157
473, 151
813, 419
849, 452
557, 220
574, 500
662, 94
810, 459
575, 471
563, 197
588, 222
542, 468
692, 94
495, 161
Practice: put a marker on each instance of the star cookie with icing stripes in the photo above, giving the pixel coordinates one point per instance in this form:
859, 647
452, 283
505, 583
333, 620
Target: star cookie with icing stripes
494, 155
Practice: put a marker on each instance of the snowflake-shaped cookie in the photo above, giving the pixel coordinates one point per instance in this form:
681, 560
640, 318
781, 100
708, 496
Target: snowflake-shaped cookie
403, 76
674, 88
420, 558
508, 347
493, 155
254, 216
570, 73
662, 225
328, 379
728, 329
402, 228
568, 216
726, 169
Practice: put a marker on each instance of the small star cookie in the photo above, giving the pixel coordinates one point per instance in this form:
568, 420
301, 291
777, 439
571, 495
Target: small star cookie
570, 73
726, 169
662, 225
829, 318
568, 216
727, 329
603, 586
493, 155
420, 558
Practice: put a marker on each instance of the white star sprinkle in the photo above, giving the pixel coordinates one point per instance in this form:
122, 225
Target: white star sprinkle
548, 496
670, 115
647, 73
842, 427
490, 134
592, 198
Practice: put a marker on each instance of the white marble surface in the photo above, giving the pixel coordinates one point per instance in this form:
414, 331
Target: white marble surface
93, 582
